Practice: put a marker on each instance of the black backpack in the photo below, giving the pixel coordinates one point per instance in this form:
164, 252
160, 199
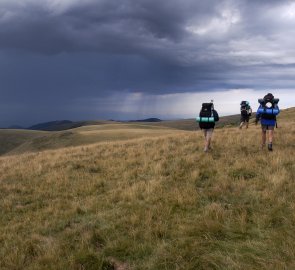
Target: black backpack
206, 111
245, 108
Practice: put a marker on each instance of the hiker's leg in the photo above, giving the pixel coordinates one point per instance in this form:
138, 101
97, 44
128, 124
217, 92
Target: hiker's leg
242, 122
207, 144
270, 136
263, 135
209, 135
206, 140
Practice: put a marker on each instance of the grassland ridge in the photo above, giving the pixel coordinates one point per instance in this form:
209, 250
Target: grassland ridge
152, 203
18, 142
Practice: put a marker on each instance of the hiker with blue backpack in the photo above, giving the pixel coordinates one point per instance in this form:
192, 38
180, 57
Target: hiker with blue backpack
267, 113
207, 118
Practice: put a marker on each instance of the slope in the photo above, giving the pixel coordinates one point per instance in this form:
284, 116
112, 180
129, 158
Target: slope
191, 125
21, 141
67, 133
153, 203
12, 138
65, 125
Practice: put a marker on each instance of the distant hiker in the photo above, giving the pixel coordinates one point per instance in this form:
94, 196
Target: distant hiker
207, 118
266, 113
246, 112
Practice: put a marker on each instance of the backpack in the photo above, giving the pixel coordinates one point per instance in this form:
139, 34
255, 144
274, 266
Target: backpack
245, 109
206, 116
207, 110
268, 107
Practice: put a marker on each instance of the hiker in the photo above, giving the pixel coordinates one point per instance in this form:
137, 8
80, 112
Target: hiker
207, 118
266, 113
246, 112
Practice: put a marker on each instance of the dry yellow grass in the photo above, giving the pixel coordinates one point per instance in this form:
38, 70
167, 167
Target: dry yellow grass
14, 142
152, 203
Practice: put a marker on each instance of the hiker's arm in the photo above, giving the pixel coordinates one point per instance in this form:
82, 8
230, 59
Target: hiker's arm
216, 116
258, 115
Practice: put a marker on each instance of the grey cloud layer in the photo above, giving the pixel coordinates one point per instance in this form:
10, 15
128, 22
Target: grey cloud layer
175, 32
53, 51
147, 28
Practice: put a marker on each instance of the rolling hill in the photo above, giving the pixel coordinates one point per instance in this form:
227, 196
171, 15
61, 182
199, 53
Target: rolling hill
182, 124
21, 141
12, 138
191, 125
65, 125
59, 134
154, 201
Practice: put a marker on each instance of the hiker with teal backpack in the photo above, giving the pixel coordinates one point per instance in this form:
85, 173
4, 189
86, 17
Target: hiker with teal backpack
267, 113
246, 112
207, 118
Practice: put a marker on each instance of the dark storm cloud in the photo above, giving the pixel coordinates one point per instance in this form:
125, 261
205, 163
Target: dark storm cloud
168, 32
55, 52
114, 26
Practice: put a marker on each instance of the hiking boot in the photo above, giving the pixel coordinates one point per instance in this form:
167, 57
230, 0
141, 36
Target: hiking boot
269, 147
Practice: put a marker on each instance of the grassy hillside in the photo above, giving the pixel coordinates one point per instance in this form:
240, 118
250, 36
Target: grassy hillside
152, 203
66, 124
191, 125
12, 138
22, 141
182, 124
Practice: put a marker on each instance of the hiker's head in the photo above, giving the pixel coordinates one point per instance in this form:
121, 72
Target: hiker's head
268, 100
269, 96
244, 102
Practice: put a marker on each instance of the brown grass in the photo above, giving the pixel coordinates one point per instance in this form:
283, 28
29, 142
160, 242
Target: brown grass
14, 142
152, 203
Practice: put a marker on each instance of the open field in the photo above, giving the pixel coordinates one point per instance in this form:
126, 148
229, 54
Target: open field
22, 141
154, 201
10, 139
190, 124
13, 141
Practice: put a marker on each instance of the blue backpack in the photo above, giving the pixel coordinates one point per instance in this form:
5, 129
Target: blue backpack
268, 107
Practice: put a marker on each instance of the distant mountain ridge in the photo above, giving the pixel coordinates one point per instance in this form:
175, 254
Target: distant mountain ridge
15, 127
54, 125
65, 124
150, 120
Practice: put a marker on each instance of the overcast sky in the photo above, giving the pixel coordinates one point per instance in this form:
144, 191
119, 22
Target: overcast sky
130, 59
